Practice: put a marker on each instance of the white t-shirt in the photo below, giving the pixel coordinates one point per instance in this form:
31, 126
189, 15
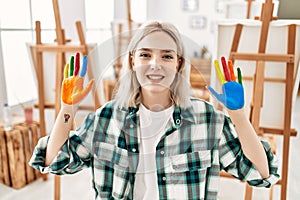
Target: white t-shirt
152, 128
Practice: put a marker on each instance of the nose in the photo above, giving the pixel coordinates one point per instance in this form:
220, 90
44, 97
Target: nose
155, 63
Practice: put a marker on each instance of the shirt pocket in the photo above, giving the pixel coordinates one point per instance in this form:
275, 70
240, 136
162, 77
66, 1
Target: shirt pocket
111, 170
188, 174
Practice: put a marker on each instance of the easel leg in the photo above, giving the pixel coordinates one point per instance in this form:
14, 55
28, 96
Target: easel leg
57, 187
248, 193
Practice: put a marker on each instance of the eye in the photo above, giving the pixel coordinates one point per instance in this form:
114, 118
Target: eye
144, 55
169, 57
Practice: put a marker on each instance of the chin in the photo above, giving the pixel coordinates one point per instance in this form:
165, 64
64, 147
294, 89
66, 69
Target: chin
156, 88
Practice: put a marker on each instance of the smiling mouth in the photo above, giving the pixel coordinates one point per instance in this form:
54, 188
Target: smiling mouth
155, 77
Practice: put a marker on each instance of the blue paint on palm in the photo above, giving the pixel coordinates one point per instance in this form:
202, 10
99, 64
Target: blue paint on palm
232, 95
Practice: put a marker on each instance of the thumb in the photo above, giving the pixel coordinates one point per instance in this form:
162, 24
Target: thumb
84, 92
88, 87
217, 95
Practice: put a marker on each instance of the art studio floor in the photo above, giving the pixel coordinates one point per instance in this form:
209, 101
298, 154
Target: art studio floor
79, 186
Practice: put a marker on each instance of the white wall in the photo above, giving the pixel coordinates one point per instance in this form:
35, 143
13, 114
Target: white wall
3, 96
171, 11
120, 10
69, 15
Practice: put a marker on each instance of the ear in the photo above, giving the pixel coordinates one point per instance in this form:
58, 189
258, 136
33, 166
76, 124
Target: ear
179, 64
131, 61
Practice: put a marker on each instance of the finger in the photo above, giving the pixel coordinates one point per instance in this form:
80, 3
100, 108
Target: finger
219, 73
84, 92
77, 64
71, 66
239, 76
231, 70
217, 95
225, 68
66, 71
84, 66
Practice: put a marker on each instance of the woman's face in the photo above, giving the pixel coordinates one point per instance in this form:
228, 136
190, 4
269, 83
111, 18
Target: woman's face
155, 62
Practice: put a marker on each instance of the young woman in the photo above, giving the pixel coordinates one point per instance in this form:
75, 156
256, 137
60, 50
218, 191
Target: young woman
154, 141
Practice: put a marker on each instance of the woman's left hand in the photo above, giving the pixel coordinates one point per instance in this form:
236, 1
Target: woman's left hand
72, 86
232, 96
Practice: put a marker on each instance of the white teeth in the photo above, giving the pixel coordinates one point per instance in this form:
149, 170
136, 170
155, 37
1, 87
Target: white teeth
155, 77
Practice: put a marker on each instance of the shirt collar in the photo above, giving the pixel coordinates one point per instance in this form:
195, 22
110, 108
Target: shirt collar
179, 115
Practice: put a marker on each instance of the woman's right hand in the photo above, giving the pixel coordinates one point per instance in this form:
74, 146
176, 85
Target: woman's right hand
72, 85
232, 96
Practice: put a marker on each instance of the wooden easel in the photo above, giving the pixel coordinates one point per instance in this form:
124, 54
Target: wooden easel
60, 49
258, 80
249, 5
121, 40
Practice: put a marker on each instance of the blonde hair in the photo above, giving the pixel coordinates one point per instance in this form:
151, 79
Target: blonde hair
128, 93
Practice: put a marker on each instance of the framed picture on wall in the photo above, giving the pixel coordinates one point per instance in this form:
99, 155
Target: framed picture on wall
190, 5
198, 22
220, 5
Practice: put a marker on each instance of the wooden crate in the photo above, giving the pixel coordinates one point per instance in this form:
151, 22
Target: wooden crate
16, 147
4, 168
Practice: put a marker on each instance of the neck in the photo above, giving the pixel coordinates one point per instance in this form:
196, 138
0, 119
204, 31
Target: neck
156, 101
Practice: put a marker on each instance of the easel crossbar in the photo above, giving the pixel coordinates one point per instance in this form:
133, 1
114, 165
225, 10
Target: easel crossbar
266, 79
276, 131
286, 58
80, 107
59, 48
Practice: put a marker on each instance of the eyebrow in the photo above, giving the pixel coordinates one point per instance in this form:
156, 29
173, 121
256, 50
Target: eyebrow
163, 50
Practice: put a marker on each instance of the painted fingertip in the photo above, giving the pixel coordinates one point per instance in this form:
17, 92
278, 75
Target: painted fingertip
213, 92
211, 89
225, 69
239, 76
230, 65
219, 73
66, 71
84, 66
77, 63
71, 70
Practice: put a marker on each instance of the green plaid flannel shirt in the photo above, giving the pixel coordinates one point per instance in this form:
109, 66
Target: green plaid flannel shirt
197, 144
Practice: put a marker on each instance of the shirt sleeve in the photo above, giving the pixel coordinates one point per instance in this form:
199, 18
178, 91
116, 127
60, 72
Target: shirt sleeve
234, 162
73, 156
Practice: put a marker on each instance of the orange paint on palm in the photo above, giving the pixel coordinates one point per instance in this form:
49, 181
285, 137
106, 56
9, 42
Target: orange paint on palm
72, 89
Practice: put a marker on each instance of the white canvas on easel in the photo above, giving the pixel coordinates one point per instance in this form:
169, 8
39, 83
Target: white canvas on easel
271, 68
49, 69
49, 74
272, 113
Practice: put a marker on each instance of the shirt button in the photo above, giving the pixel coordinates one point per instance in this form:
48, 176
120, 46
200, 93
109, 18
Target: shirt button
178, 121
162, 152
131, 125
164, 178
133, 149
